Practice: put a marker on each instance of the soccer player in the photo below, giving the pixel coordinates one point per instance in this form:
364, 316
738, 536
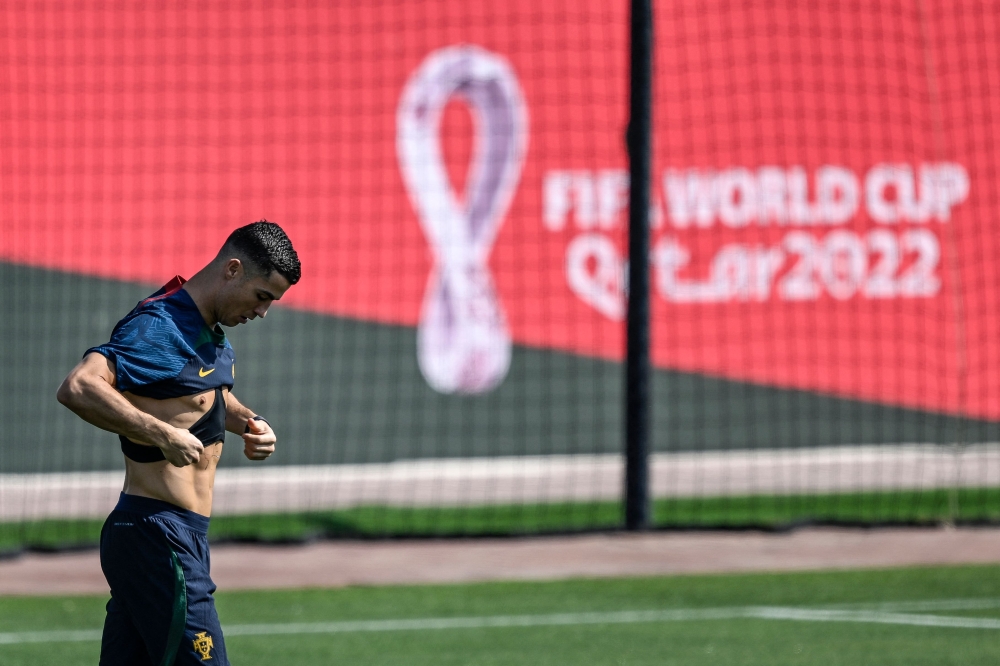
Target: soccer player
164, 383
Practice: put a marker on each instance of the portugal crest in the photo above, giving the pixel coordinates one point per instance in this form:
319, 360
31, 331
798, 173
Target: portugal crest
203, 645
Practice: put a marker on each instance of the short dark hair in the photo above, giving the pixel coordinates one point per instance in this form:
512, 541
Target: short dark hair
267, 248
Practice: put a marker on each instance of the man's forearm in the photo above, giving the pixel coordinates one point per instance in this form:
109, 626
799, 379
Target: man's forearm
98, 403
237, 415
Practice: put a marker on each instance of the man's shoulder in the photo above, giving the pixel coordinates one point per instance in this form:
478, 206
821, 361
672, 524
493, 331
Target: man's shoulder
166, 316
149, 330
145, 347
149, 340
162, 348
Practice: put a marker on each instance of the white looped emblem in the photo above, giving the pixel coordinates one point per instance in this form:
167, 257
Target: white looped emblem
463, 344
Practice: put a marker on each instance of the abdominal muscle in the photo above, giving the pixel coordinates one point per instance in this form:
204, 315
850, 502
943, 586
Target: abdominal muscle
188, 487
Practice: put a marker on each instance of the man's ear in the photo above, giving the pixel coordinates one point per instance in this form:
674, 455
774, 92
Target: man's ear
233, 269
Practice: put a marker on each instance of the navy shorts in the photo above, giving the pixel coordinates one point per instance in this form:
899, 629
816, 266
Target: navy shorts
161, 613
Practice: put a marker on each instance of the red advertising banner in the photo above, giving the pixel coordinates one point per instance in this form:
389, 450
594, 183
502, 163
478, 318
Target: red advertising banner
825, 195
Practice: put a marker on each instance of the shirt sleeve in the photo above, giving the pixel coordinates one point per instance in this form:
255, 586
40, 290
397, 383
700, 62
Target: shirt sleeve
145, 348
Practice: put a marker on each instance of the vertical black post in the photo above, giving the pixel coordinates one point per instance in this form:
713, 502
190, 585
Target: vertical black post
637, 361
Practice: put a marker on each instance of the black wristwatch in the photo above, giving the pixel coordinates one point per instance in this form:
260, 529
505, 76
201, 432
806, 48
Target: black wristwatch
255, 418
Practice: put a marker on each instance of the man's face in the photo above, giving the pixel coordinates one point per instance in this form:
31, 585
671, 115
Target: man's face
247, 297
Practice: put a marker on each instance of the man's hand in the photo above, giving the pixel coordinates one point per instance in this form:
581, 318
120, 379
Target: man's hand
89, 390
258, 444
181, 448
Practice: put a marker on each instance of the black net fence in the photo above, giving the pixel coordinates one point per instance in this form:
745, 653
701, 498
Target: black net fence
454, 178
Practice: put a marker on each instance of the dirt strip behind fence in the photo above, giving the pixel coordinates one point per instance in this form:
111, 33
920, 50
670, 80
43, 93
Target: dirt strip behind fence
341, 563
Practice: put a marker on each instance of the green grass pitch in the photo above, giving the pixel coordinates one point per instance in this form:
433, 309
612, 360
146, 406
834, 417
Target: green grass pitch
684, 639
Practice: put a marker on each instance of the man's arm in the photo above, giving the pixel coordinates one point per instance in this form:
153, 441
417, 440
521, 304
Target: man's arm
89, 391
258, 444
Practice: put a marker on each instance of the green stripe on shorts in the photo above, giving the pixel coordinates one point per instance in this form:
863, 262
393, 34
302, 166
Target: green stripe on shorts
179, 616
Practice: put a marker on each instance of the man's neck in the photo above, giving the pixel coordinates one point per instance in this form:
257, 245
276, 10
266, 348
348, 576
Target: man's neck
200, 292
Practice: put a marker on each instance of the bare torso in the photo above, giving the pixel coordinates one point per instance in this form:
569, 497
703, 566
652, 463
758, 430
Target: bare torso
188, 487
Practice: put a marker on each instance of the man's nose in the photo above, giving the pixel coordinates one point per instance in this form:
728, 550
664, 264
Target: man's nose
261, 310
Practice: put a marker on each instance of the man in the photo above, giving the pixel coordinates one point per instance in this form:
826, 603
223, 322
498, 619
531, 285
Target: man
164, 384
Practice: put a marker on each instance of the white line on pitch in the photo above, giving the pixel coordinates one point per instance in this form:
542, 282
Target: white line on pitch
50, 636
878, 617
923, 606
576, 619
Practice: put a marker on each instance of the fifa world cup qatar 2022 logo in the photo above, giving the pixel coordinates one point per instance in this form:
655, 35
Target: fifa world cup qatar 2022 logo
463, 342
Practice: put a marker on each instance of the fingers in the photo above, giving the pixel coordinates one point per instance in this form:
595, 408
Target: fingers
184, 458
258, 444
189, 456
260, 435
258, 456
258, 451
258, 427
185, 450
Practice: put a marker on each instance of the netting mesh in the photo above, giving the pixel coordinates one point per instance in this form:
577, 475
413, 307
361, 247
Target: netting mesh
454, 178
